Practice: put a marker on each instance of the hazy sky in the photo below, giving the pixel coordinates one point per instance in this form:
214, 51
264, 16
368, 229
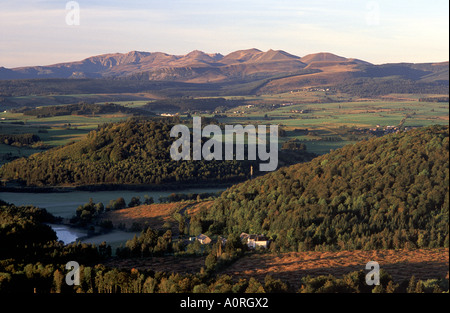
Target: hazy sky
36, 32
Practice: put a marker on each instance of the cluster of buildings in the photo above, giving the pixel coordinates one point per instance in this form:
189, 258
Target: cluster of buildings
310, 89
300, 111
251, 240
277, 105
384, 130
168, 114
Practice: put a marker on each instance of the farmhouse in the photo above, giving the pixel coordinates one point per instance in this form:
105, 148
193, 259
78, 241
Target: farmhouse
254, 241
204, 240
257, 241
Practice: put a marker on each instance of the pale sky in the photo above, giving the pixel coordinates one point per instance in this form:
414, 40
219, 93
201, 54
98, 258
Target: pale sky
35, 32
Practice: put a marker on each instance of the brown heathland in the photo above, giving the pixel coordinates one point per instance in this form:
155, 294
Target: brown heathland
154, 215
400, 264
291, 267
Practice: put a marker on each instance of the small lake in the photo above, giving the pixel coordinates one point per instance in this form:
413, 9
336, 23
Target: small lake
115, 238
64, 204
67, 234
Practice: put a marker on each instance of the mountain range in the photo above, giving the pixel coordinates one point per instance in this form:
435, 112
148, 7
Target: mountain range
244, 65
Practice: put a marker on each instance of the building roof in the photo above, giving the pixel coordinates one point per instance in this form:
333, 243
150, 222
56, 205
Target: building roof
202, 237
258, 238
261, 238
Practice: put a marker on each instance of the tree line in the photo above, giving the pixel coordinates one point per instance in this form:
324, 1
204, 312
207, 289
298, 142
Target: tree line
81, 108
50, 278
19, 139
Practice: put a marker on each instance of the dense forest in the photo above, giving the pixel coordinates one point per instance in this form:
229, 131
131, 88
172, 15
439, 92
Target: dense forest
386, 193
133, 152
19, 139
21, 229
80, 109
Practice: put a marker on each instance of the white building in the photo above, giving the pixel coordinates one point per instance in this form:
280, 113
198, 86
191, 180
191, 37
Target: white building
254, 241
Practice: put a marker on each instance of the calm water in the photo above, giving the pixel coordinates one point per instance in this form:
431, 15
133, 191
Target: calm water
114, 238
64, 204
67, 234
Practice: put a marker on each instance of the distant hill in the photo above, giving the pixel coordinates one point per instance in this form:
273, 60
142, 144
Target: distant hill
129, 153
321, 57
135, 152
271, 71
386, 193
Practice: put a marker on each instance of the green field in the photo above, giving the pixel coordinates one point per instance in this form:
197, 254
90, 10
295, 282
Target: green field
58, 128
330, 125
358, 114
337, 120
53, 131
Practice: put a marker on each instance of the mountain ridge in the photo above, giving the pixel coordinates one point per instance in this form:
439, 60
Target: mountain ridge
284, 70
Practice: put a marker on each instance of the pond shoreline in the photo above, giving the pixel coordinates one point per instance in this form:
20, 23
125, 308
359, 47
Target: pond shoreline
63, 206
66, 233
69, 234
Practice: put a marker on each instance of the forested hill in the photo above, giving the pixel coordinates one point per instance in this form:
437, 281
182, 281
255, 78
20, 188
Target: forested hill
133, 152
387, 193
